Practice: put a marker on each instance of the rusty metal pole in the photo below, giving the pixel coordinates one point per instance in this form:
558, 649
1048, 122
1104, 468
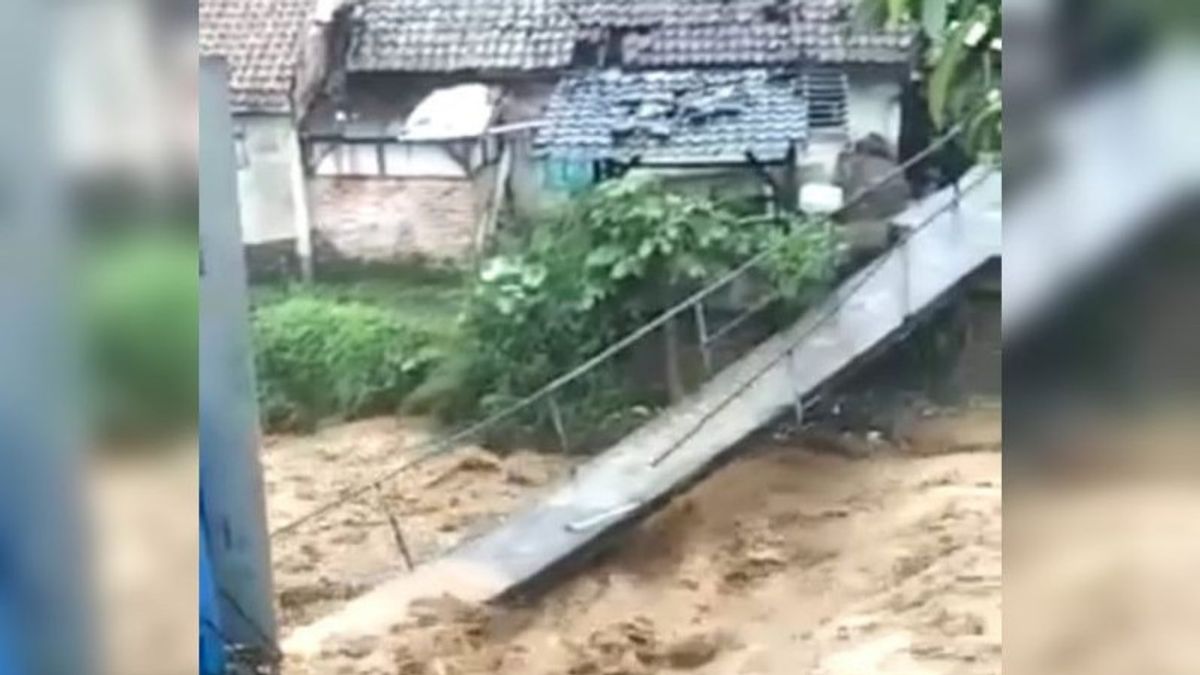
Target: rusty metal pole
702, 332
956, 204
394, 523
793, 379
906, 279
559, 428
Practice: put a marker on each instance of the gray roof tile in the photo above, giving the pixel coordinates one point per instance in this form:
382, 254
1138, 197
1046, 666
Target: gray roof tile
260, 41
684, 115
452, 35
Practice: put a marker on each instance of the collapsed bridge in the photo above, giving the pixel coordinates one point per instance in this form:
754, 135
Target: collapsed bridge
944, 239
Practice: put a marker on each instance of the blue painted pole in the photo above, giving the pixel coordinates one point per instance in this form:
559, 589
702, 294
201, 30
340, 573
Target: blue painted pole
212, 636
233, 504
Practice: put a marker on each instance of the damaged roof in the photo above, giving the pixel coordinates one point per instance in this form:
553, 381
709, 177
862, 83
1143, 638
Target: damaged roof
688, 116
523, 35
260, 41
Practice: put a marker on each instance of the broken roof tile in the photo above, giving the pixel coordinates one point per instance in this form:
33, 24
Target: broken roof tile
684, 116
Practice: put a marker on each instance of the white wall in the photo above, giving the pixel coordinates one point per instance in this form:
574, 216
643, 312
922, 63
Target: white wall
819, 161
874, 106
270, 179
421, 160
403, 159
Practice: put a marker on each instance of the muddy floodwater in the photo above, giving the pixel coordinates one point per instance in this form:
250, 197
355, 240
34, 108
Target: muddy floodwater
787, 561
434, 507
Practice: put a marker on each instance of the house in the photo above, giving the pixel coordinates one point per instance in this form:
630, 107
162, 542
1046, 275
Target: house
382, 187
391, 188
762, 94
728, 130
718, 92
270, 81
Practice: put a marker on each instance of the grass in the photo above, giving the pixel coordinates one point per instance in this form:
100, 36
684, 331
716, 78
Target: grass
432, 298
344, 347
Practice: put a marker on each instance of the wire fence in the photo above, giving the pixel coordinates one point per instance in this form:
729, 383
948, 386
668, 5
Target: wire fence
547, 395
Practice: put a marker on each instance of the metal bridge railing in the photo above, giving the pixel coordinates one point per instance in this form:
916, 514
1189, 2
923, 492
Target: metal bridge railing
827, 312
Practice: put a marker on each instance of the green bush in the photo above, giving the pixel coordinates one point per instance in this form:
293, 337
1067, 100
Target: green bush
318, 358
804, 260
609, 261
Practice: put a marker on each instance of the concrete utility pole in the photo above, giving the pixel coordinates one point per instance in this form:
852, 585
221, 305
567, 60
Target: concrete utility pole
230, 474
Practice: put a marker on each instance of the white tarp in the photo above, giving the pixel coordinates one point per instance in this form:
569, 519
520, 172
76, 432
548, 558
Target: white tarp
454, 112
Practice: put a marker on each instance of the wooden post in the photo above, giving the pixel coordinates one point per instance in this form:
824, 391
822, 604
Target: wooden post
397, 533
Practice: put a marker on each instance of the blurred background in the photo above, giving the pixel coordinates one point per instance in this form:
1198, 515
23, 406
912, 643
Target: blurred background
1101, 350
98, 363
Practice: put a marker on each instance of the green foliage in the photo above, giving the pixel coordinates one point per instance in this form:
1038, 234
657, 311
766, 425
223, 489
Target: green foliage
433, 297
141, 326
610, 261
316, 357
962, 63
804, 260
897, 12
964, 66
637, 231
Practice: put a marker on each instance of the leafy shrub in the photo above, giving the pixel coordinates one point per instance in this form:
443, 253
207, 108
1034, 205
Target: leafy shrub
804, 260
608, 262
141, 334
317, 357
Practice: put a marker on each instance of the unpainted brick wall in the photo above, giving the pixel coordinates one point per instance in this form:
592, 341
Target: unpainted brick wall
393, 219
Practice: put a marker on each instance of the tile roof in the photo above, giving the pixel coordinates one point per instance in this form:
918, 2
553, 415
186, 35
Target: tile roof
683, 116
260, 41
710, 45
450, 35
629, 13
710, 32
850, 46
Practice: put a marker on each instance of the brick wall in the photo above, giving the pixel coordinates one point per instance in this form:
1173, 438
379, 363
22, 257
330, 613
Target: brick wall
392, 219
